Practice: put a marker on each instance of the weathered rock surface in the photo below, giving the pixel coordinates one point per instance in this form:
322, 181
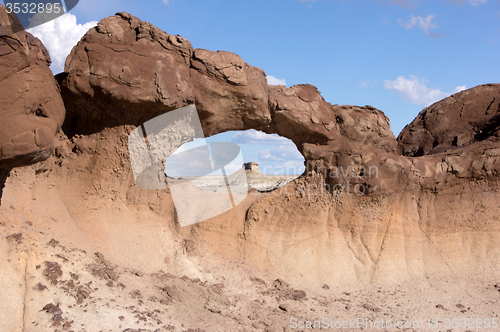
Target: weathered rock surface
428, 224
126, 71
31, 107
456, 140
386, 202
466, 117
132, 71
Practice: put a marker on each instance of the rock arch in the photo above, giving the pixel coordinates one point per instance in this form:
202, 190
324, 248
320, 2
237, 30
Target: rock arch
125, 71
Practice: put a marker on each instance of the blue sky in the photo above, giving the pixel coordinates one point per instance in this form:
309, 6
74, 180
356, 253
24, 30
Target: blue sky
396, 55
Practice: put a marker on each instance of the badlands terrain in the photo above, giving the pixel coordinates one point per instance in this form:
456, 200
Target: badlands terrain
84, 248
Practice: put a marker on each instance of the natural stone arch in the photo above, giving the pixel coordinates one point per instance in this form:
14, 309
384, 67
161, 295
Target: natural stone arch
125, 71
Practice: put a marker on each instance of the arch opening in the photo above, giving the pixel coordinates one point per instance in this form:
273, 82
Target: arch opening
269, 154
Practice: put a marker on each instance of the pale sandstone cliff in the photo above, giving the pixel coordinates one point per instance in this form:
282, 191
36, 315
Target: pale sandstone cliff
424, 222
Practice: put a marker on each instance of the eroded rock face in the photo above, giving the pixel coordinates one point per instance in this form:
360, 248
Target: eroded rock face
31, 107
424, 219
466, 117
132, 72
126, 71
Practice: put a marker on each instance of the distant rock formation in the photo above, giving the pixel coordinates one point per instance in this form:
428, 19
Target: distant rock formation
31, 107
251, 166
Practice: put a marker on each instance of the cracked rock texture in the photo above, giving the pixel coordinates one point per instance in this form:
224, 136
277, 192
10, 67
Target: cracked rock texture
31, 107
83, 248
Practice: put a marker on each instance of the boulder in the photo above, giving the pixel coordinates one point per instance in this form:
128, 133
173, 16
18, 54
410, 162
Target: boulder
31, 107
133, 71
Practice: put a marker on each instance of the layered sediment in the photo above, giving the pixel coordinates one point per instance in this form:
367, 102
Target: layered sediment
427, 214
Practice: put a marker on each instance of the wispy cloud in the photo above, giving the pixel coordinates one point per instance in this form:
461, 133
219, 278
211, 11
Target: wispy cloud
271, 80
410, 4
471, 2
281, 153
415, 90
424, 23
166, 1
282, 159
366, 83
419, 21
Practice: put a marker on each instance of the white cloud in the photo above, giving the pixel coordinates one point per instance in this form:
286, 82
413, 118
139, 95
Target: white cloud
253, 136
471, 2
271, 80
412, 4
424, 23
165, 2
190, 145
43, 17
281, 153
59, 36
415, 90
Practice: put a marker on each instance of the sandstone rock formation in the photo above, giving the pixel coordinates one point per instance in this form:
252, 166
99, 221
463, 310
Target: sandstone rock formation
156, 72
348, 146
456, 139
427, 223
462, 119
31, 107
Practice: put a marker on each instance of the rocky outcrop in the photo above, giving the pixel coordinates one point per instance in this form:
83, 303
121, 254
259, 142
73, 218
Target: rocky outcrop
465, 118
132, 71
360, 201
352, 156
31, 107
125, 71
428, 223
455, 140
